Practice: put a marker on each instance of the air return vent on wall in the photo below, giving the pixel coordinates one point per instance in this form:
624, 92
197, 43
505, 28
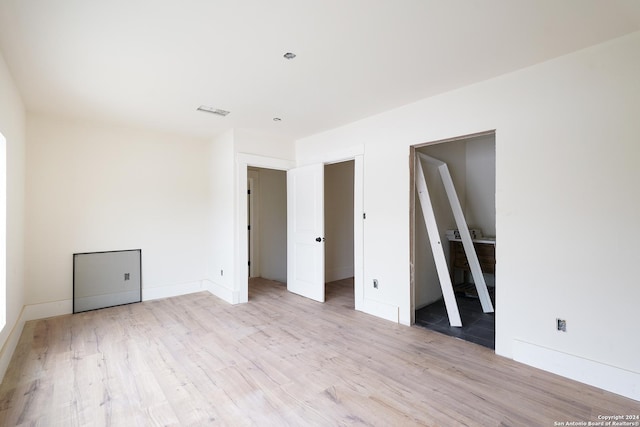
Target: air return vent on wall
105, 279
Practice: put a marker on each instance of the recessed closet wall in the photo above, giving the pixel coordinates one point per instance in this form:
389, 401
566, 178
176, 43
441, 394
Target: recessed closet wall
338, 220
269, 227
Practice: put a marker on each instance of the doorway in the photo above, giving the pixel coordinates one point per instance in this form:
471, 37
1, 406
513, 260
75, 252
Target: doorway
321, 228
240, 293
339, 231
267, 224
471, 162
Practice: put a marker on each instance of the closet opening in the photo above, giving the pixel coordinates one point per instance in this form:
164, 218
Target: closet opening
339, 232
267, 225
471, 163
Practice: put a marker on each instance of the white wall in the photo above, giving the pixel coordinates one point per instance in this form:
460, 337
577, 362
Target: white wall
221, 198
94, 187
272, 217
12, 126
231, 155
566, 201
262, 144
480, 195
338, 220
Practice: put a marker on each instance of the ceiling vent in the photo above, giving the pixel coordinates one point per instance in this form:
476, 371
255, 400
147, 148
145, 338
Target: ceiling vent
212, 110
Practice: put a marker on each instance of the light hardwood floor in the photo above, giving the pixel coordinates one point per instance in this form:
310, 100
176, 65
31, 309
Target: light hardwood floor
279, 360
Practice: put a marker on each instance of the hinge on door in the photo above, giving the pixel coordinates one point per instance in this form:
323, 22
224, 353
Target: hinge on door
364, 215
249, 227
248, 191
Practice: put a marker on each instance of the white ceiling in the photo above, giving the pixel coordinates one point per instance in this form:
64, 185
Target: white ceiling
151, 63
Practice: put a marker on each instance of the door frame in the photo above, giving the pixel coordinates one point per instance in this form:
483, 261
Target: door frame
243, 161
253, 203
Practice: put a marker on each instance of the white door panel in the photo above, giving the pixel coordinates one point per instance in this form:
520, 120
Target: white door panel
305, 226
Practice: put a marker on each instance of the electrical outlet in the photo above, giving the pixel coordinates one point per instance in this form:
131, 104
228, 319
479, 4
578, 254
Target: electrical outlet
561, 325
127, 276
375, 283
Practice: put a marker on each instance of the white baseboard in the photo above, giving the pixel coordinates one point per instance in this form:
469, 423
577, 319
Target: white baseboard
168, 291
47, 309
379, 309
10, 345
229, 295
606, 377
58, 308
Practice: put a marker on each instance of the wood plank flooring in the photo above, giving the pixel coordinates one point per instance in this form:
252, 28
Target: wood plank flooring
279, 360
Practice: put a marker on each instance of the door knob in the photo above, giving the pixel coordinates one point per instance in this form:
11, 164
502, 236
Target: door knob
319, 239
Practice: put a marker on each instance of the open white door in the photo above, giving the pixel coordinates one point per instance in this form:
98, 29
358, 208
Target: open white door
305, 231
